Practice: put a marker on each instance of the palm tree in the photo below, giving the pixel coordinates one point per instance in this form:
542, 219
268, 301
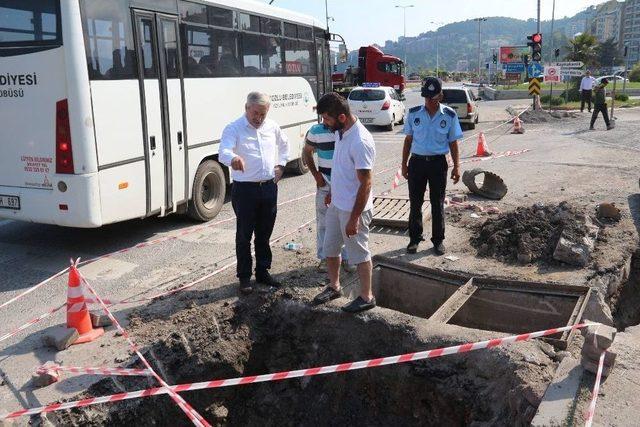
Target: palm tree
583, 48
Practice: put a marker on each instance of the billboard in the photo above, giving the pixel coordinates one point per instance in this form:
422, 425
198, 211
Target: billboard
512, 53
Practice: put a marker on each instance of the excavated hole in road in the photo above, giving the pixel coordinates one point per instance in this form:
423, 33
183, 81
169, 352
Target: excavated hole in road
626, 303
271, 333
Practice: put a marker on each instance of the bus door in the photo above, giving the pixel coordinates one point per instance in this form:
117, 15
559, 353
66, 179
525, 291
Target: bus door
157, 47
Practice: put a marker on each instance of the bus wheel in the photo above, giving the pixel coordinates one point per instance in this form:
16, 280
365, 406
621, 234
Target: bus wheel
298, 167
209, 190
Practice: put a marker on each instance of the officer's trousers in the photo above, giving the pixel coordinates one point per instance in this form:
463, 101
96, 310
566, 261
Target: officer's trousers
425, 170
255, 205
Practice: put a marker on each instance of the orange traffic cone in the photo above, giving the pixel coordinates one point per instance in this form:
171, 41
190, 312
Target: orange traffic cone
77, 313
517, 126
482, 150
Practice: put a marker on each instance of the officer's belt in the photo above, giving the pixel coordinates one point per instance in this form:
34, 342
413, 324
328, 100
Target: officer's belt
428, 158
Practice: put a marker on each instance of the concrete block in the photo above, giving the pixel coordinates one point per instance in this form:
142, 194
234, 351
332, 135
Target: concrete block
600, 336
593, 353
61, 338
557, 402
592, 367
100, 320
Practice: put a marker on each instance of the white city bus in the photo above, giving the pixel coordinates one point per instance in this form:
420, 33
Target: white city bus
113, 109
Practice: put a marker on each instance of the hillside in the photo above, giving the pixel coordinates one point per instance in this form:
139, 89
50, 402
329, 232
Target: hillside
458, 41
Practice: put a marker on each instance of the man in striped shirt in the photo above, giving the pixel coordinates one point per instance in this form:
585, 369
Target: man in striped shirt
322, 141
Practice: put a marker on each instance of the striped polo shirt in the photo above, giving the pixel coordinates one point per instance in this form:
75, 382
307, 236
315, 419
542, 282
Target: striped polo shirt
324, 141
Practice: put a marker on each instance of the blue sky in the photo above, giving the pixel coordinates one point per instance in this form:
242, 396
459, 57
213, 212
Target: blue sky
374, 21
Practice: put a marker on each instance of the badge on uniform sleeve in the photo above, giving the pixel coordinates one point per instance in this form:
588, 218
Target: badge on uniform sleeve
416, 121
443, 124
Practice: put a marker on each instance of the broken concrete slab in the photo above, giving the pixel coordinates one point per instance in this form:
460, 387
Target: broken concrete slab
557, 402
572, 252
61, 338
592, 367
592, 353
600, 336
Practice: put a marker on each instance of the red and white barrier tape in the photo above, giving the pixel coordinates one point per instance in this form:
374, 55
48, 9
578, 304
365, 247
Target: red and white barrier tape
496, 156
322, 370
596, 390
191, 413
395, 182
151, 243
31, 322
127, 372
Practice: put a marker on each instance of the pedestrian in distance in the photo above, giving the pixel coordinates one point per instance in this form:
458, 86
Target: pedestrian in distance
256, 150
321, 141
350, 201
600, 104
432, 131
586, 88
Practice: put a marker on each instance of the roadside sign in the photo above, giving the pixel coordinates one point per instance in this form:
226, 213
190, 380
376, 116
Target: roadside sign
552, 74
534, 86
572, 72
513, 76
535, 69
512, 53
568, 64
513, 67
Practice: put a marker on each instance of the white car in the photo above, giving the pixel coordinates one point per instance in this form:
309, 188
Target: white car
620, 79
464, 102
377, 105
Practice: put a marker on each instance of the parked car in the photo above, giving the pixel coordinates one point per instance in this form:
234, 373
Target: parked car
464, 102
377, 105
620, 79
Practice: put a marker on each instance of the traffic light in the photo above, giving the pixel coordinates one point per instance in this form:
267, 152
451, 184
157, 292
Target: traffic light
535, 44
495, 58
525, 59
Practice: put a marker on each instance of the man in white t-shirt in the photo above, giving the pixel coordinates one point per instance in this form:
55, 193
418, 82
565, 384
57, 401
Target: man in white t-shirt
350, 201
586, 89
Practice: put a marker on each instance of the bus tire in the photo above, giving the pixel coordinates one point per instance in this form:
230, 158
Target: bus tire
298, 166
209, 191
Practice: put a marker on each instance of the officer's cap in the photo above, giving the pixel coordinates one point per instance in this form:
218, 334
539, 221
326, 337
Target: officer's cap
431, 86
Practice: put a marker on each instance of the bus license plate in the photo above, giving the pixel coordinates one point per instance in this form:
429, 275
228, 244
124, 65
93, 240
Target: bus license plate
9, 202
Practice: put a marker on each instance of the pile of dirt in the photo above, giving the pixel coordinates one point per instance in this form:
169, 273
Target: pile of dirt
530, 234
276, 332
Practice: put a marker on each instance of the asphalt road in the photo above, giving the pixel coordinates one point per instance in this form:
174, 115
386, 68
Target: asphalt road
30, 253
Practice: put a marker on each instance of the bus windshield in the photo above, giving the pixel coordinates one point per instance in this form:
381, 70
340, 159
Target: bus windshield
29, 22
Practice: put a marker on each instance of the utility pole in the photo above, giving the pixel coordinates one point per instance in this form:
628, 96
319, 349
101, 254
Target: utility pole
626, 69
437, 48
404, 10
553, 16
538, 16
480, 20
326, 12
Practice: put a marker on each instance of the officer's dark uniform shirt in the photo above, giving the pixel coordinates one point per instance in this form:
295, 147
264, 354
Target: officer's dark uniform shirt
432, 135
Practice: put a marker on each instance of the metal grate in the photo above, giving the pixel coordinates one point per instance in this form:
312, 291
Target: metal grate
394, 211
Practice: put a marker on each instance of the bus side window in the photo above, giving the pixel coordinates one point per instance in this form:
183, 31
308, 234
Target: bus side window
108, 40
210, 52
261, 55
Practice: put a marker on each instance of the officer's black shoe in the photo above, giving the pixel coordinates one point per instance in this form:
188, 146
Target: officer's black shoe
245, 286
264, 278
412, 248
439, 248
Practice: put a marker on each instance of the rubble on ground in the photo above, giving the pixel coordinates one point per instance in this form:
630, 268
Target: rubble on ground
541, 116
538, 233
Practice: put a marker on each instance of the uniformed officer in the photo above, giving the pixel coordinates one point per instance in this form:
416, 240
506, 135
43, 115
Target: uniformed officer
432, 130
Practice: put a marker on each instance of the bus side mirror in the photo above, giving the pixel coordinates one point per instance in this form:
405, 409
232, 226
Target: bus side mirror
343, 53
335, 68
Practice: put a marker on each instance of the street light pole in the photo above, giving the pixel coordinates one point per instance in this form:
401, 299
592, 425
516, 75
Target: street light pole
404, 10
437, 48
479, 40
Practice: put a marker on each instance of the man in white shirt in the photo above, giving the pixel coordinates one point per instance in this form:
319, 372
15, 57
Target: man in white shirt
350, 202
257, 150
586, 88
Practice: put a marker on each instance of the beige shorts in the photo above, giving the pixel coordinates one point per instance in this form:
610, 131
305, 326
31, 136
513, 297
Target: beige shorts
335, 237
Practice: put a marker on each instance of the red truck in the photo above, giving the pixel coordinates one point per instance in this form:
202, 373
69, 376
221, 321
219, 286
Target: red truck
373, 67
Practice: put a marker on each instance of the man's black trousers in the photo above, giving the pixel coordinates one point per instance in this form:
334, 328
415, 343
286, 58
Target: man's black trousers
585, 97
431, 170
255, 205
600, 108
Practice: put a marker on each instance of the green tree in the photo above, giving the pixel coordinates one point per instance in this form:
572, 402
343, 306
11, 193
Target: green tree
583, 48
609, 54
634, 74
